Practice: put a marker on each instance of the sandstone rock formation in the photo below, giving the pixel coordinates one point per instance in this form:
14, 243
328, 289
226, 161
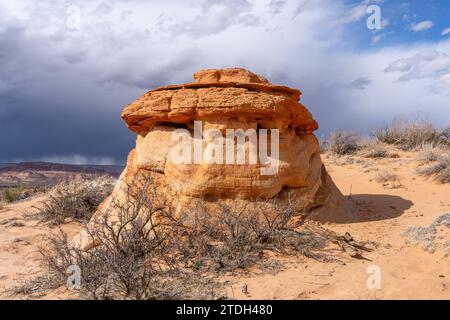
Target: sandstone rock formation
221, 100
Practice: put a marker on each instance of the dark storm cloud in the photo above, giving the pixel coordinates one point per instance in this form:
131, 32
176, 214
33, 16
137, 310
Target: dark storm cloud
11, 43
49, 134
47, 109
50, 121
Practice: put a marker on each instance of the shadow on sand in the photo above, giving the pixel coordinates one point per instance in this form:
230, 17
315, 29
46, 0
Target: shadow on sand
372, 207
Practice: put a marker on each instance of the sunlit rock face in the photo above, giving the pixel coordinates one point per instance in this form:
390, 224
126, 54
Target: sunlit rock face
189, 137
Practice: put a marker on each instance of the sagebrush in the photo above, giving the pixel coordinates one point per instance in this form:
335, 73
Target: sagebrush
10, 195
410, 135
372, 148
75, 199
439, 170
343, 142
430, 152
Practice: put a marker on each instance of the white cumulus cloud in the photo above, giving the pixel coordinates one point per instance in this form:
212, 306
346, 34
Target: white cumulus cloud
430, 65
421, 26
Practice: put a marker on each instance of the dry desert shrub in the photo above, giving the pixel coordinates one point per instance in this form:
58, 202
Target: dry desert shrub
410, 135
223, 238
76, 199
36, 287
10, 195
132, 265
444, 136
388, 178
372, 148
433, 236
430, 152
440, 169
438, 159
144, 251
134, 258
343, 143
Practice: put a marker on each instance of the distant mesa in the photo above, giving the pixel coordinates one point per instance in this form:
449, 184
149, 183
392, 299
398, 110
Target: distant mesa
58, 167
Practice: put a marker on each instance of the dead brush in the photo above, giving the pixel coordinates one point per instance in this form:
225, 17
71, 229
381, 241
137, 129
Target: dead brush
410, 135
11, 195
36, 287
74, 199
134, 259
372, 148
440, 170
343, 143
142, 250
388, 178
224, 238
430, 152
437, 161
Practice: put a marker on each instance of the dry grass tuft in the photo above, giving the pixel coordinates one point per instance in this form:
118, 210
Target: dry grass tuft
388, 178
75, 199
10, 195
430, 152
36, 287
343, 143
440, 170
372, 148
410, 135
438, 159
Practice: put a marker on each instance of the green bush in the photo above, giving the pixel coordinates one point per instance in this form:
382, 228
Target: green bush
12, 194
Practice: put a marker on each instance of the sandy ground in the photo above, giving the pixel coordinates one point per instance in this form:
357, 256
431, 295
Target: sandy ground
20, 240
379, 213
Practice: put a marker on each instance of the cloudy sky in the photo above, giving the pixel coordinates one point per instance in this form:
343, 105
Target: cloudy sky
67, 68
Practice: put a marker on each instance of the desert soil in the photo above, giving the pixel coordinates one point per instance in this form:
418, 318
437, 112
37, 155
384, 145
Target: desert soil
380, 213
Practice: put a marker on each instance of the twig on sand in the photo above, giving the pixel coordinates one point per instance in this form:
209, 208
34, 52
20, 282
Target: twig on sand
346, 242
